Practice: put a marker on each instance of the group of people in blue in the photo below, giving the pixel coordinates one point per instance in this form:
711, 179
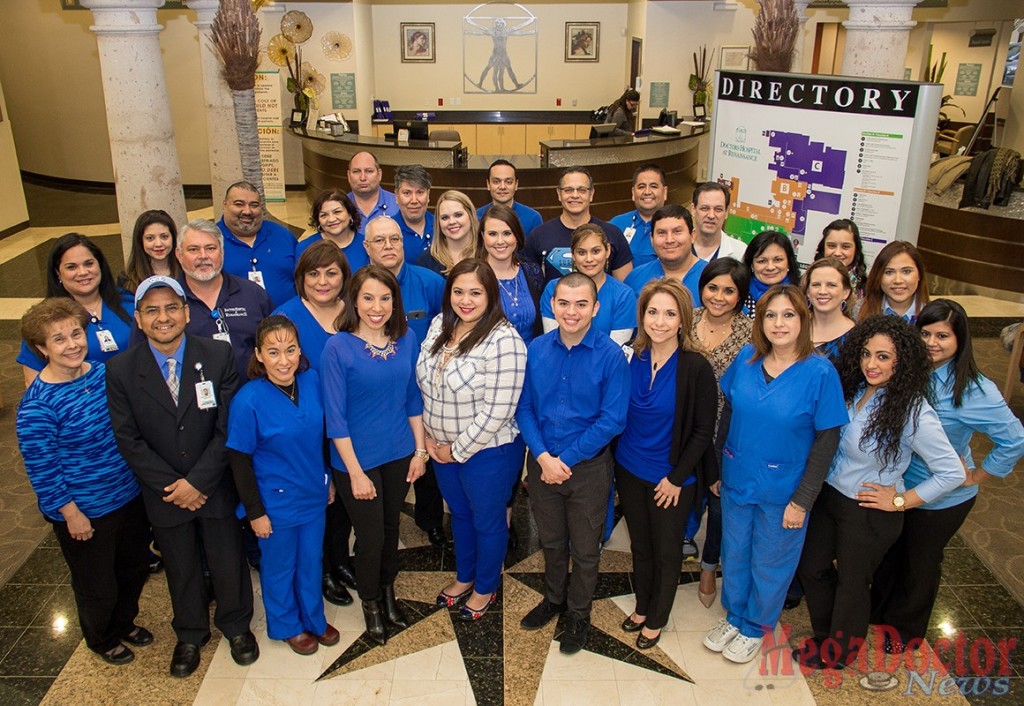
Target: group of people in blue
236, 378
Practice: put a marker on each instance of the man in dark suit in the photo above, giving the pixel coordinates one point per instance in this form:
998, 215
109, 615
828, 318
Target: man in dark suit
168, 404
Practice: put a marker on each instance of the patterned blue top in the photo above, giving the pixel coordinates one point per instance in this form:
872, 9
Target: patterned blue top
67, 442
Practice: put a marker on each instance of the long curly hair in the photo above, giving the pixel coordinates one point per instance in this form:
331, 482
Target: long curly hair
905, 391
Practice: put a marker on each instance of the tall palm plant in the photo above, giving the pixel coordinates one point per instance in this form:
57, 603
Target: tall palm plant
775, 32
236, 36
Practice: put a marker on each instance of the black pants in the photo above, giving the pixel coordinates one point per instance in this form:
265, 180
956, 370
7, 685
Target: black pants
221, 538
570, 518
337, 531
907, 581
656, 540
429, 509
838, 597
108, 573
376, 525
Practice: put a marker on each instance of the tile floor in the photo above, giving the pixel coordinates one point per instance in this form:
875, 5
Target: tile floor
438, 659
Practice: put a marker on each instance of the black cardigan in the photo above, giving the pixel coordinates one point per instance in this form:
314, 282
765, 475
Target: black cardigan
693, 428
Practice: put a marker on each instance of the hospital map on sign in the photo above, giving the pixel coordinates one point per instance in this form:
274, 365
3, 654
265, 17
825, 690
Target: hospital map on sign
805, 176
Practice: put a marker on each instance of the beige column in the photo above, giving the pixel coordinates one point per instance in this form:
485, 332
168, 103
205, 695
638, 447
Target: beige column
877, 35
798, 49
142, 148
366, 87
225, 164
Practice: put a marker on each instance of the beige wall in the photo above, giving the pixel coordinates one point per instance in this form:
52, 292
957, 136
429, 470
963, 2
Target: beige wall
952, 38
12, 206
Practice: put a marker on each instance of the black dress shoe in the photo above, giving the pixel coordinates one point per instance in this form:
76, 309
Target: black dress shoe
438, 538
645, 643
392, 613
185, 659
139, 637
628, 625
791, 602
343, 573
244, 648
155, 563
118, 656
334, 592
373, 614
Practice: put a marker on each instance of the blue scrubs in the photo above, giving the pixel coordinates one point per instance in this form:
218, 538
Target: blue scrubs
616, 316
354, 252
107, 321
773, 427
286, 443
653, 270
638, 234
312, 336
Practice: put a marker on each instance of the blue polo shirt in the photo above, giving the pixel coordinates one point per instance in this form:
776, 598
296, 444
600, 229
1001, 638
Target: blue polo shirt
617, 311
387, 205
272, 253
354, 252
653, 270
422, 291
638, 233
241, 306
528, 217
574, 400
413, 242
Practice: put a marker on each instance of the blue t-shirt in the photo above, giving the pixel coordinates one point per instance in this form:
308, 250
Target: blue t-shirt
637, 232
646, 444
653, 270
422, 291
369, 400
774, 424
68, 445
312, 336
286, 443
107, 321
617, 312
518, 305
355, 252
272, 253
528, 217
413, 242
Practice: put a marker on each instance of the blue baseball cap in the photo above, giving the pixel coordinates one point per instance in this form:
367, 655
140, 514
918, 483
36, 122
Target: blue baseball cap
157, 281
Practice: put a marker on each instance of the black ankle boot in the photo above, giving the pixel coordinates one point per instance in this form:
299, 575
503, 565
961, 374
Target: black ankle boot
392, 612
374, 617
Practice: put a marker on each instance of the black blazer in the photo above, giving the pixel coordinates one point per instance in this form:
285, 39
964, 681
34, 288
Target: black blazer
693, 429
163, 443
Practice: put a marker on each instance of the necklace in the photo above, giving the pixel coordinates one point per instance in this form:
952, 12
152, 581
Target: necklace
289, 391
384, 352
514, 294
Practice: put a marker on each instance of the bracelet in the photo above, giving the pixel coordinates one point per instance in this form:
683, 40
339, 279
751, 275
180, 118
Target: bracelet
421, 454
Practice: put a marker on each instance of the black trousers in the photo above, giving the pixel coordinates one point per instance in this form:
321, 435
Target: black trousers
656, 540
376, 525
570, 519
838, 596
337, 530
108, 573
221, 538
907, 581
429, 509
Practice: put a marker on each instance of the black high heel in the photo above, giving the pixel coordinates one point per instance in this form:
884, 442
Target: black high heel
392, 613
374, 617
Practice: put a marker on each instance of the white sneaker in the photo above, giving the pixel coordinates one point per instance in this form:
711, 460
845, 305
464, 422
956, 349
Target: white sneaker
742, 649
720, 635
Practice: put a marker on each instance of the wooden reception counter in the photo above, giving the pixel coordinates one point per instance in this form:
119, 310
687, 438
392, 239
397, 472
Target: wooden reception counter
611, 161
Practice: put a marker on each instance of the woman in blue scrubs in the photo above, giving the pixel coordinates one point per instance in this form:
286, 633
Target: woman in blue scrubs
78, 269
275, 445
320, 277
771, 261
787, 407
897, 284
590, 252
906, 583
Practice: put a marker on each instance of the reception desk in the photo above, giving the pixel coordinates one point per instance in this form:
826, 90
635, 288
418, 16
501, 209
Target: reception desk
611, 162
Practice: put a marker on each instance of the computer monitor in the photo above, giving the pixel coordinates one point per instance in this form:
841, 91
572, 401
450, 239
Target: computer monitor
668, 118
418, 129
602, 130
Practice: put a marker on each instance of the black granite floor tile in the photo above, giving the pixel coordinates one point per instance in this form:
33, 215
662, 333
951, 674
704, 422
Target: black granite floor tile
487, 679
19, 605
41, 652
1008, 646
428, 558
8, 638
948, 610
50, 540
962, 567
956, 541
44, 566
612, 584
59, 606
24, 691
481, 638
999, 691
991, 606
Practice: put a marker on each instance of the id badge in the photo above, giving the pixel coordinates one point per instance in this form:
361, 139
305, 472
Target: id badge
204, 395
222, 336
107, 342
257, 277
629, 233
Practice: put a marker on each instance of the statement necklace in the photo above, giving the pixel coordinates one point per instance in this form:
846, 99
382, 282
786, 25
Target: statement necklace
383, 353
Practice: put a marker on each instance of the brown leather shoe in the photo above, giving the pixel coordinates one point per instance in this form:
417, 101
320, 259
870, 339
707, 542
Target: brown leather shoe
330, 637
304, 643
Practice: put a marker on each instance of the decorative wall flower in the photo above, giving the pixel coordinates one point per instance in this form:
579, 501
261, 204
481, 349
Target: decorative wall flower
296, 26
337, 46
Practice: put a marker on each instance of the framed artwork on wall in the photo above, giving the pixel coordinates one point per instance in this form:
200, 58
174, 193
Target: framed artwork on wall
417, 42
582, 41
734, 58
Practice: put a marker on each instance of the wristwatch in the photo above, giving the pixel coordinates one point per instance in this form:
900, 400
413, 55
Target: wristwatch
899, 502
422, 455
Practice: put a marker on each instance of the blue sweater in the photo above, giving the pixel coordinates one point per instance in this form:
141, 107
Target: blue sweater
68, 445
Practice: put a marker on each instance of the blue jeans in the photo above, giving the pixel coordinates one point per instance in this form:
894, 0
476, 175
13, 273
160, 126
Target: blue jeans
476, 492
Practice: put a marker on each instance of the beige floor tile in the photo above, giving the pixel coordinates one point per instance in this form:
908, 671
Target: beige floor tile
277, 692
580, 693
419, 666
353, 692
428, 693
223, 667
583, 665
663, 691
451, 666
219, 692
278, 661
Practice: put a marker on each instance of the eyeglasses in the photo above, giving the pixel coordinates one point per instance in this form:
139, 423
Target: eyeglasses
379, 242
170, 310
570, 190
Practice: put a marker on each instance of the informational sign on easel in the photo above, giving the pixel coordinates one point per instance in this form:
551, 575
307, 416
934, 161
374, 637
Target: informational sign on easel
269, 122
800, 151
